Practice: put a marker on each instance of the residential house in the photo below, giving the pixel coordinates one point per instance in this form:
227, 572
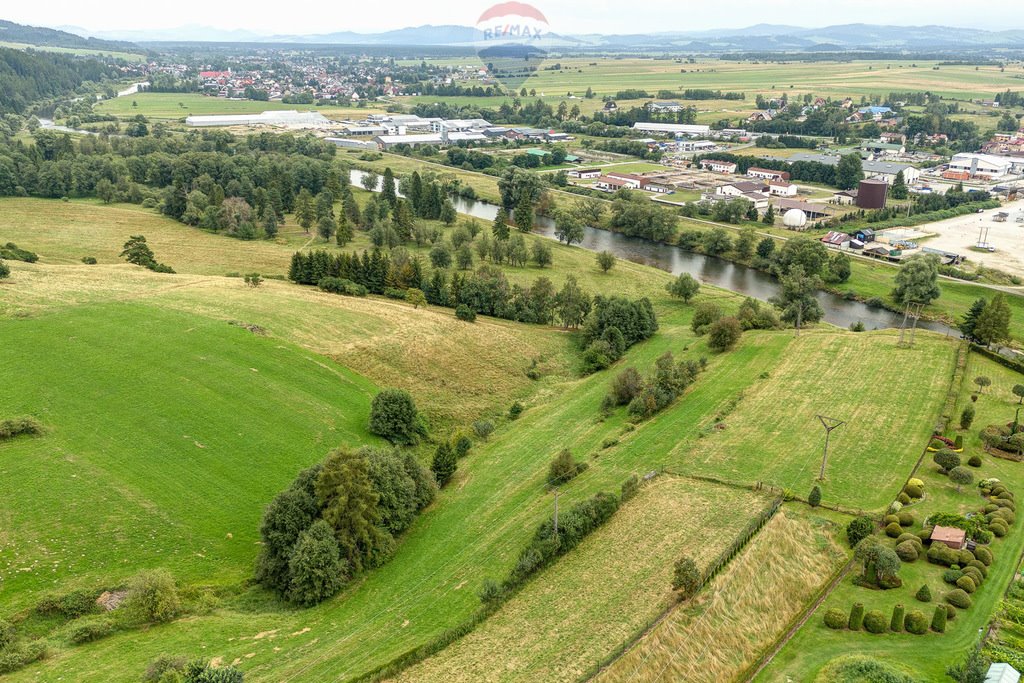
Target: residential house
782, 188
758, 116
844, 197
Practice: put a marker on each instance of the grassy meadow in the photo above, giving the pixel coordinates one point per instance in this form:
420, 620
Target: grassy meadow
599, 595
158, 105
720, 633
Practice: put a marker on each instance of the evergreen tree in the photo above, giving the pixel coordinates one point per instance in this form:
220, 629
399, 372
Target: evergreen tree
305, 214
523, 213
316, 569
388, 192
899, 187
349, 503
993, 324
769, 218
970, 319
500, 226
444, 463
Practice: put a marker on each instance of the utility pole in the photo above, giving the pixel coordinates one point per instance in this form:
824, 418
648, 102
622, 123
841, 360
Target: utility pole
829, 423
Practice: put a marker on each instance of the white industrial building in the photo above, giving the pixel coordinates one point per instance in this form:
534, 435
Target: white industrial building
288, 118
692, 130
991, 165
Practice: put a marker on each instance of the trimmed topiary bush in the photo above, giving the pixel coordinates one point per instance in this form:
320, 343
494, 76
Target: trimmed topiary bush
974, 575
903, 498
925, 533
999, 528
973, 461
856, 617
893, 529
913, 490
908, 551
905, 518
966, 583
964, 557
951, 575
916, 623
875, 621
924, 593
814, 499
979, 566
890, 519
835, 619
908, 536
950, 612
984, 555
896, 623
958, 598
939, 619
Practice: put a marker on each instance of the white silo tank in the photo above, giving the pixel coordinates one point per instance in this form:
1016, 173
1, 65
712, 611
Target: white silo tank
794, 219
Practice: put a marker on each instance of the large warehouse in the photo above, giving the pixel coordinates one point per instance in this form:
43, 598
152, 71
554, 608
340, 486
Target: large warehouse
990, 165
692, 130
288, 118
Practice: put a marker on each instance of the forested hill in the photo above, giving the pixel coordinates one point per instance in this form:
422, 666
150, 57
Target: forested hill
48, 37
27, 77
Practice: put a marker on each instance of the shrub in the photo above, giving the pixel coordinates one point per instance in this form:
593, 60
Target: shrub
89, 260
337, 285
975, 576
463, 444
564, 468
908, 550
856, 617
490, 592
891, 519
967, 416
515, 410
465, 313
947, 460
89, 631
966, 583
704, 314
626, 386
686, 577
958, 598
5, 270
964, 557
940, 553
916, 623
858, 529
161, 665
7, 634
896, 622
875, 622
153, 596
974, 460
903, 498
70, 605
483, 428
835, 618
906, 518
984, 555
723, 334
19, 655
951, 575
998, 528
630, 488
393, 415
913, 490
924, 593
893, 529
814, 499
925, 533
909, 536
914, 481
979, 566
939, 619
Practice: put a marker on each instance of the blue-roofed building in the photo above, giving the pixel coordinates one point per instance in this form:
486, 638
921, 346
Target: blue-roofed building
875, 111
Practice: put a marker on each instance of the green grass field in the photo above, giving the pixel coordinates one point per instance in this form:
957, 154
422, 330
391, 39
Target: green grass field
815, 645
161, 447
179, 105
79, 51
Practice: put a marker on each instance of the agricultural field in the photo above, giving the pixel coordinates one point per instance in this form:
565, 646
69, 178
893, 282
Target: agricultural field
79, 51
719, 634
175, 106
814, 645
626, 568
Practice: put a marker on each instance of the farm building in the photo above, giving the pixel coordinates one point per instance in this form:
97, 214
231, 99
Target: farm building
782, 188
812, 211
844, 197
584, 173
767, 173
697, 146
389, 141
679, 129
836, 239
612, 184
951, 536
666, 107
348, 143
717, 166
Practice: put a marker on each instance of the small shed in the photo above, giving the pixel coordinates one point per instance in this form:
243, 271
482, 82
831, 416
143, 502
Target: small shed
1001, 217
951, 536
866, 235
1000, 672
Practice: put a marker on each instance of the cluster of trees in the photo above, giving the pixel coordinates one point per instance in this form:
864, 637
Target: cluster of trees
26, 77
708, 94
612, 325
647, 396
987, 322
338, 519
786, 141
633, 214
456, 90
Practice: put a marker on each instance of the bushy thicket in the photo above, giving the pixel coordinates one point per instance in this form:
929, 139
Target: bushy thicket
647, 396
394, 416
612, 326
12, 252
339, 518
17, 426
181, 670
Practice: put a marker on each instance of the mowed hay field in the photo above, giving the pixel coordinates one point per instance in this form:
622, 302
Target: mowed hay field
165, 436
572, 615
725, 628
889, 398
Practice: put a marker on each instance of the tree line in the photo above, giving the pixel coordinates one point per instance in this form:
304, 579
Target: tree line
28, 77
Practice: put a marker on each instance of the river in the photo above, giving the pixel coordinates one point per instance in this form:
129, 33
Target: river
707, 269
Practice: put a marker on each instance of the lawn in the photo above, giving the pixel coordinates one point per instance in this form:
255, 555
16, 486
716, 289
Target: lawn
626, 569
721, 632
889, 398
815, 645
78, 51
151, 417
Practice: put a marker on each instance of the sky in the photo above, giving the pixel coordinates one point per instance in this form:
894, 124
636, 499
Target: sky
564, 16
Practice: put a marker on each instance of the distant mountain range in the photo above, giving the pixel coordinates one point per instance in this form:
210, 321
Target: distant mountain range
758, 38
48, 37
